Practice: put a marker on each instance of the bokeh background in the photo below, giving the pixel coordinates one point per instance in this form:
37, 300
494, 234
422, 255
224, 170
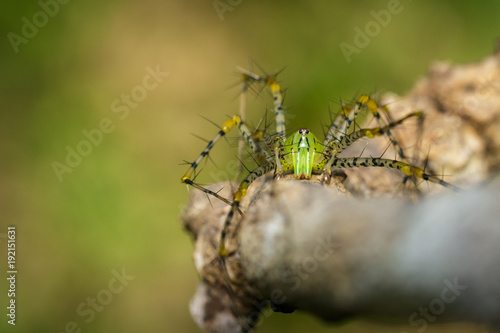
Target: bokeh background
119, 207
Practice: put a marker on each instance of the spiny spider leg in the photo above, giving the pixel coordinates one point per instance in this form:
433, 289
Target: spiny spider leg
407, 169
345, 118
266, 167
334, 148
226, 127
372, 132
238, 195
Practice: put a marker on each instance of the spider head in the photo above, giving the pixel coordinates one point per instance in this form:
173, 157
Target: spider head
303, 147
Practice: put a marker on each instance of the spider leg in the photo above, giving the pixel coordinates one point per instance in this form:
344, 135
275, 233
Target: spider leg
225, 128
337, 132
338, 139
248, 80
238, 196
373, 108
242, 112
278, 107
279, 142
407, 169
372, 132
255, 141
335, 127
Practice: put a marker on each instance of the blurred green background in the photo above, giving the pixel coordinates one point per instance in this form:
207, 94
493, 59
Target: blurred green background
118, 209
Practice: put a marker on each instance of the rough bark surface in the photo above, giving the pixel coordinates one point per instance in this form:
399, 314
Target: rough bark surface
358, 247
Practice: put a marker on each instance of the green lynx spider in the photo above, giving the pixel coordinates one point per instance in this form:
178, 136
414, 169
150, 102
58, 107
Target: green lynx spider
302, 153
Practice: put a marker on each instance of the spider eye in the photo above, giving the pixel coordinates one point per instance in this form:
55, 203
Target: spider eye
303, 131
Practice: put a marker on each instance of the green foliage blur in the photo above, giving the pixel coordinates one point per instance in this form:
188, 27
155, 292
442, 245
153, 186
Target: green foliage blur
116, 206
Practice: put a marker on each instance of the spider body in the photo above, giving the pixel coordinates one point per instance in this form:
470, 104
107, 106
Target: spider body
302, 153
